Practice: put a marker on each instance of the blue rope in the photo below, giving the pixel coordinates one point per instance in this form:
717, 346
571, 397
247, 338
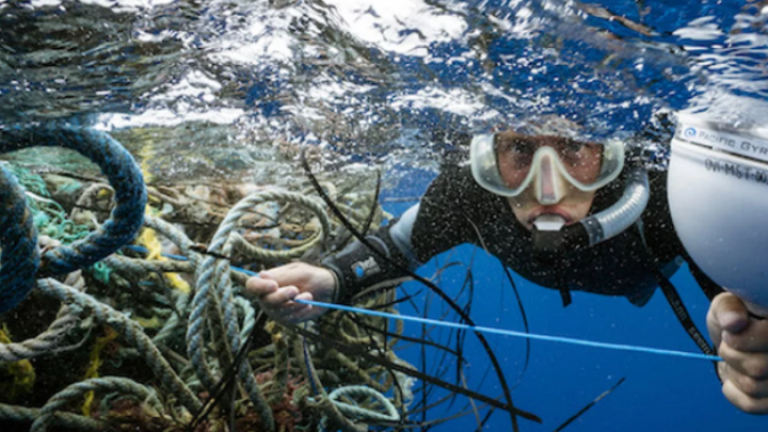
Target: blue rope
490, 330
20, 257
307, 364
122, 172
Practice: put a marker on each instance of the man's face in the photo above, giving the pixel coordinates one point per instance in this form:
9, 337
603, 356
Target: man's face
515, 155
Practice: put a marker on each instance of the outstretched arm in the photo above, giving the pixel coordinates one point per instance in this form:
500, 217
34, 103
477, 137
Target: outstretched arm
342, 275
436, 224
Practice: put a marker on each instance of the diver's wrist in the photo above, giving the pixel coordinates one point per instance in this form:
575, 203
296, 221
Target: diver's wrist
334, 286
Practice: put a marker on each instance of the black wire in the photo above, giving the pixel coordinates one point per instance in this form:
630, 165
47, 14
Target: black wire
433, 287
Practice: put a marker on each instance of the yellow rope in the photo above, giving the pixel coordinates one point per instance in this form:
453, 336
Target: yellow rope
148, 238
95, 363
22, 371
150, 241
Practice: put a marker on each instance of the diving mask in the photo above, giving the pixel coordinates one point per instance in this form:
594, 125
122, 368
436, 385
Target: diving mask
507, 163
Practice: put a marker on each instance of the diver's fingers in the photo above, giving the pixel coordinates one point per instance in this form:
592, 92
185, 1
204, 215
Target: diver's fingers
290, 274
751, 364
295, 312
726, 314
743, 401
260, 286
754, 388
279, 297
752, 339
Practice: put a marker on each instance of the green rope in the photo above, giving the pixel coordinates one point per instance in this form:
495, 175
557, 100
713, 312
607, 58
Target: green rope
49, 217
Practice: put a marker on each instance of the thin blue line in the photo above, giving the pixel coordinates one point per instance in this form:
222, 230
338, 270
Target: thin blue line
572, 341
491, 330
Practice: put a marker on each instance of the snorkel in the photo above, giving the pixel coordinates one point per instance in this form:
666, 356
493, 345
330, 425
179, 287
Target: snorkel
718, 197
551, 235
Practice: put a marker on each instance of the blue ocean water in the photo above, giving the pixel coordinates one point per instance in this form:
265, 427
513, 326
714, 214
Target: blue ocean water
659, 392
208, 90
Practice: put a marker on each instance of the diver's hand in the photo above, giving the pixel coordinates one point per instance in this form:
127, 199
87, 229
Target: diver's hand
276, 288
742, 342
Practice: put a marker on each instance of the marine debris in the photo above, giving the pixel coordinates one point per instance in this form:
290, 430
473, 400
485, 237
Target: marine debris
123, 309
142, 284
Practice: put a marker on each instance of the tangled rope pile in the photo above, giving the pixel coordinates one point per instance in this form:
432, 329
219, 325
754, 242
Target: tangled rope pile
188, 329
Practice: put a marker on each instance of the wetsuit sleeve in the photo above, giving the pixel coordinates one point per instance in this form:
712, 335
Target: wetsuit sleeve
423, 231
364, 264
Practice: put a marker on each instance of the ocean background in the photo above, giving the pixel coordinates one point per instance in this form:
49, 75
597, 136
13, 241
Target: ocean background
660, 392
217, 91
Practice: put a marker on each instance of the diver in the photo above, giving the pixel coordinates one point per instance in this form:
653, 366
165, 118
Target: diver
564, 213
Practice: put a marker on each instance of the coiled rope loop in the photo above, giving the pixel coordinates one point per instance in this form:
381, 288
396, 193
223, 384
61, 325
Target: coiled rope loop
127, 217
359, 412
214, 292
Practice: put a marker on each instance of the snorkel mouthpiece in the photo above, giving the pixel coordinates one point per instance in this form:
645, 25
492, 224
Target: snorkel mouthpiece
549, 222
551, 235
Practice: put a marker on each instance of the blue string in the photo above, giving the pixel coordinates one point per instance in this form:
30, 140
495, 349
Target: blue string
620, 347
490, 330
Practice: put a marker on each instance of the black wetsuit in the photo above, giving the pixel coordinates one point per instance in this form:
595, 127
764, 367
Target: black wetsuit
456, 210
